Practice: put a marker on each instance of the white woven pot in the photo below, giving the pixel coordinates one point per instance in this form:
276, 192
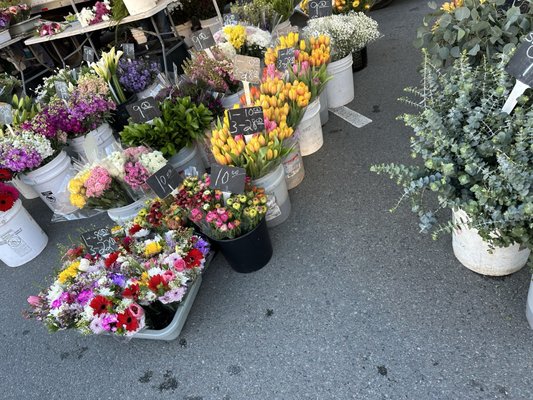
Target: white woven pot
474, 253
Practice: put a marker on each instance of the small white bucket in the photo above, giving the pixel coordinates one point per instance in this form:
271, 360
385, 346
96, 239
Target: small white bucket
122, 215
529, 305
340, 88
21, 238
293, 163
213, 24
139, 6
473, 252
102, 144
310, 128
186, 158
51, 181
279, 202
229, 101
25, 190
5, 36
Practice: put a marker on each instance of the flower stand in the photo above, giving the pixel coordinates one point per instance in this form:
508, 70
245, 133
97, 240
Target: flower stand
21, 238
173, 330
473, 252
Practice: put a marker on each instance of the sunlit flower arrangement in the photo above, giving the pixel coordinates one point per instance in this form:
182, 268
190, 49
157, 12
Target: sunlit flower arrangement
246, 40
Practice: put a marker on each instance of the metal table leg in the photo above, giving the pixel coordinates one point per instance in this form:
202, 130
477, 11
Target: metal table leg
163, 49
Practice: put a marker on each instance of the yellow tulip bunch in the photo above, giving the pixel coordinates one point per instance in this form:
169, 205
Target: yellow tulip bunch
315, 50
259, 154
284, 42
236, 35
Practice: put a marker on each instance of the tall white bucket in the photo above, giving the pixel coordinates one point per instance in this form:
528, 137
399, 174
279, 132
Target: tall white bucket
310, 128
279, 202
340, 88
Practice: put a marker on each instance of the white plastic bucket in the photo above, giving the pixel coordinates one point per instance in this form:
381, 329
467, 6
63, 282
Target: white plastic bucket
51, 181
21, 238
324, 112
293, 163
25, 190
310, 129
213, 24
152, 90
279, 202
186, 158
473, 252
104, 141
173, 330
124, 214
139, 6
282, 27
529, 305
229, 101
5, 36
340, 88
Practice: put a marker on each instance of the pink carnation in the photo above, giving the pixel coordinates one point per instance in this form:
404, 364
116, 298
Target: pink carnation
99, 181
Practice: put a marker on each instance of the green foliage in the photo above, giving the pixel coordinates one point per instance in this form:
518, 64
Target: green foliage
481, 28
181, 123
24, 109
475, 157
119, 10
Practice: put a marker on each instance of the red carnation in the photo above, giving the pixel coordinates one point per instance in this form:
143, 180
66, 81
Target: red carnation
100, 305
193, 258
111, 259
156, 283
6, 202
5, 175
127, 321
74, 253
126, 243
134, 229
132, 292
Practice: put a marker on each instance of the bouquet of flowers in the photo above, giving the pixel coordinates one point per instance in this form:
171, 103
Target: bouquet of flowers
101, 11
266, 14
348, 32
7, 83
136, 75
8, 194
344, 6
95, 188
5, 19
134, 165
141, 284
107, 68
217, 219
18, 13
46, 90
216, 74
47, 28
198, 93
25, 151
259, 155
246, 40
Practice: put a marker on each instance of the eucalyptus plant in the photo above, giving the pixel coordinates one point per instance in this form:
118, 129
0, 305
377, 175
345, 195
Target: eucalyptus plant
474, 156
181, 123
482, 28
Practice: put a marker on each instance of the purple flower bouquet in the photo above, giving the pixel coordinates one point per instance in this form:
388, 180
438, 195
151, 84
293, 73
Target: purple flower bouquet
136, 75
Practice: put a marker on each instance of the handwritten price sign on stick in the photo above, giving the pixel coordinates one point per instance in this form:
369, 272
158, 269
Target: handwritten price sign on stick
521, 67
228, 179
320, 8
99, 241
144, 110
202, 39
246, 121
164, 181
248, 70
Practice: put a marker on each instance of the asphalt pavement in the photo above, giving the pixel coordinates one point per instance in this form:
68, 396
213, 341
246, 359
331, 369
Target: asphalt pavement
355, 303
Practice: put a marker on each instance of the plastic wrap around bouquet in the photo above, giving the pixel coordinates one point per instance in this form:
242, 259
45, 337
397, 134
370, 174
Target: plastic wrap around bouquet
139, 290
117, 183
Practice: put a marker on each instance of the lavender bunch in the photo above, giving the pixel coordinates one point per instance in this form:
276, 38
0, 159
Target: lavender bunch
136, 75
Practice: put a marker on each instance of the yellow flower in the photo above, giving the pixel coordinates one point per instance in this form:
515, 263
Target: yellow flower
70, 272
77, 200
152, 248
236, 35
356, 3
75, 185
452, 5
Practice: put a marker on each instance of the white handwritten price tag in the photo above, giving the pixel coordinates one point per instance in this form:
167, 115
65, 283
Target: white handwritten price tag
144, 110
246, 121
99, 242
202, 39
247, 69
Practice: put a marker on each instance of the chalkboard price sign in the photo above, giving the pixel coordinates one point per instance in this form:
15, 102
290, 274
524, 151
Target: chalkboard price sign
230, 19
202, 39
99, 241
6, 114
129, 50
521, 65
228, 179
62, 90
319, 8
164, 181
144, 110
247, 69
88, 54
285, 59
246, 121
